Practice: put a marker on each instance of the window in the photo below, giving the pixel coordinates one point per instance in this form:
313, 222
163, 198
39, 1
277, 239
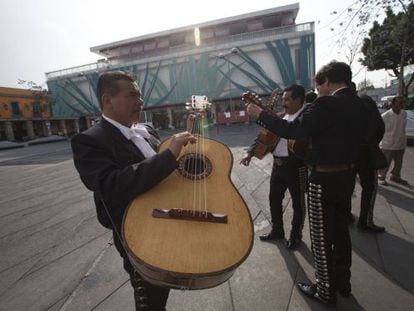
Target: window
163, 43
137, 49
271, 21
15, 108
36, 108
237, 28
177, 39
221, 31
149, 45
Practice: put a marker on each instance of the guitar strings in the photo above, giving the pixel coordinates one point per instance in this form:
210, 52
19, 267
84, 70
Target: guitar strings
205, 168
192, 165
196, 165
198, 162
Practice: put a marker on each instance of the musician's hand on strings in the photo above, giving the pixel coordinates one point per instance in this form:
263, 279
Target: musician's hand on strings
180, 140
246, 160
254, 110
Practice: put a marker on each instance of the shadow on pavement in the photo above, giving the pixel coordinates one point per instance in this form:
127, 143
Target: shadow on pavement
397, 256
398, 199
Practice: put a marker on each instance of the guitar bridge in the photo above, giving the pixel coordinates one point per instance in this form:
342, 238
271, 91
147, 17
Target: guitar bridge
183, 214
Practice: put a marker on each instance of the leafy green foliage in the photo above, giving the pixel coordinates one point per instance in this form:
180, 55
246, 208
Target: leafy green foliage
390, 45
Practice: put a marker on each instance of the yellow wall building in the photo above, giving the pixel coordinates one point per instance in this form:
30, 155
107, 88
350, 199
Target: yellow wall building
24, 114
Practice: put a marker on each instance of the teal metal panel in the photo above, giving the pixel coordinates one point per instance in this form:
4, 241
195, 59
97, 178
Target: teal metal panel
197, 75
307, 50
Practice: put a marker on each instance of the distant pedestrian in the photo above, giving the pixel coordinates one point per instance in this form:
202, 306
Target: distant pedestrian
370, 160
394, 142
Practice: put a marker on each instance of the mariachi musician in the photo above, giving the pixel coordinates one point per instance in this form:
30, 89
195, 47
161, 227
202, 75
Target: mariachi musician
117, 161
336, 127
289, 172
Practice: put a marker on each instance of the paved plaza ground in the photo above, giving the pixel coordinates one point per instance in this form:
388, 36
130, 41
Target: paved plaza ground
55, 256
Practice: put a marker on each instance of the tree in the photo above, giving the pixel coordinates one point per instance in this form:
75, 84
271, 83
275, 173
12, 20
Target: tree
390, 45
351, 25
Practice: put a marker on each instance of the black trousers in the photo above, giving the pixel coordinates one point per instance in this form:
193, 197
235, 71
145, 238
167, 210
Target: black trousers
328, 202
368, 179
293, 177
148, 297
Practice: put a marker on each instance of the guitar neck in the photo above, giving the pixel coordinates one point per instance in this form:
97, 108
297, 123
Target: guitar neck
196, 123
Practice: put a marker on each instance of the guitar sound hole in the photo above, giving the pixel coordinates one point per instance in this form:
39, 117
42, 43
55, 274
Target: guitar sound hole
194, 166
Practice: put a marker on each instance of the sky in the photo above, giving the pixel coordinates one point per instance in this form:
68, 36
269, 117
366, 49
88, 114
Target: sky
39, 36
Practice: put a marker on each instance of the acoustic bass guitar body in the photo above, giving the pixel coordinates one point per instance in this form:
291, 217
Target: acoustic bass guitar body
193, 229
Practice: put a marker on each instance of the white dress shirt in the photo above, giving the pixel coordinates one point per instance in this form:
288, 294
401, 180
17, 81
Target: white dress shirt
137, 134
394, 136
281, 149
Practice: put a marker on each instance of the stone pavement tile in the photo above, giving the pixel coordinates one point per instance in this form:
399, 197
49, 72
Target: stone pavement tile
397, 251
15, 179
15, 250
261, 223
261, 196
250, 202
105, 276
212, 299
406, 218
43, 214
20, 201
121, 300
375, 291
85, 233
266, 162
401, 202
252, 177
236, 180
265, 280
384, 215
366, 244
46, 286
10, 276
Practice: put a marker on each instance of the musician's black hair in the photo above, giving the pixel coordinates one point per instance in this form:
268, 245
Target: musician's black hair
310, 96
297, 91
108, 83
335, 72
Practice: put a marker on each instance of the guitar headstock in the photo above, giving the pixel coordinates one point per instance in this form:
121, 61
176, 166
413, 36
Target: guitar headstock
198, 103
274, 98
251, 98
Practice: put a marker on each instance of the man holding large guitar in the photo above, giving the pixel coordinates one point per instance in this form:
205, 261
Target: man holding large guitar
289, 172
117, 161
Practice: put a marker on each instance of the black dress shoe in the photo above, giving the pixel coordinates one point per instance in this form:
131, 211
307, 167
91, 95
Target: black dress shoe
371, 227
272, 235
293, 243
310, 290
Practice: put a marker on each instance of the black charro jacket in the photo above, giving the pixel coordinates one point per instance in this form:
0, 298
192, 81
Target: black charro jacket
115, 169
335, 125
